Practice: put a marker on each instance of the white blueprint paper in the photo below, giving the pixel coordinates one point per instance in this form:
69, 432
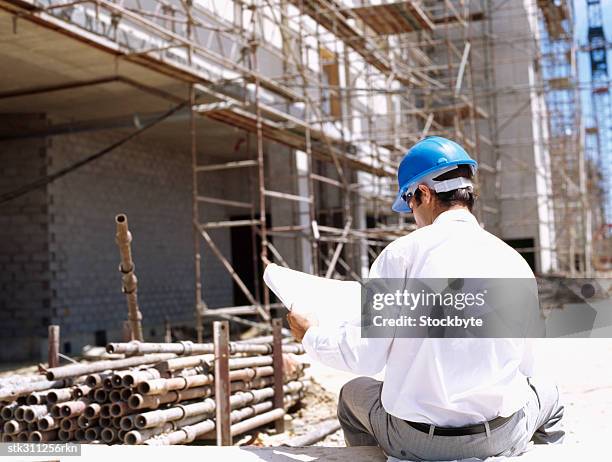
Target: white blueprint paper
332, 302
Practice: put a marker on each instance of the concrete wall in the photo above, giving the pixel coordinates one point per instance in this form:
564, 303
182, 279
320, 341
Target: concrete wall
25, 292
148, 182
58, 254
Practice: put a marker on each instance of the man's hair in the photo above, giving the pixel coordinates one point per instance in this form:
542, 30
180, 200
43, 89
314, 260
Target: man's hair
461, 196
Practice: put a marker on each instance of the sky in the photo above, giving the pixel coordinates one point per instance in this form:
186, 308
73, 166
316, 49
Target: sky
584, 69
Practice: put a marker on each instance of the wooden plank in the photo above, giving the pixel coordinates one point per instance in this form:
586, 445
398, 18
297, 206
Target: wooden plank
395, 18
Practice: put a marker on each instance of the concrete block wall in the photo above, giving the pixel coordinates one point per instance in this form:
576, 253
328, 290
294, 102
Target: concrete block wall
58, 256
149, 182
25, 293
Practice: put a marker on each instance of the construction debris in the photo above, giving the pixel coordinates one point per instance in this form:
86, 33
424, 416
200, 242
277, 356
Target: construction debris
156, 399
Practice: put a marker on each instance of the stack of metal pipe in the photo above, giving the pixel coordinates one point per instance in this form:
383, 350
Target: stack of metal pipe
159, 394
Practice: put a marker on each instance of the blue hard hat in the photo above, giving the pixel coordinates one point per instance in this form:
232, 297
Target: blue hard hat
425, 160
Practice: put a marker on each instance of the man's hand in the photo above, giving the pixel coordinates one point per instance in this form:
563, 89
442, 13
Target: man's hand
292, 368
299, 324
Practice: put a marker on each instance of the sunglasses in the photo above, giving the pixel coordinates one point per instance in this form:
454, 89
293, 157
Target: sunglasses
407, 196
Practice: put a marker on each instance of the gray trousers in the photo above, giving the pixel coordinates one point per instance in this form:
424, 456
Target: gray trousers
366, 423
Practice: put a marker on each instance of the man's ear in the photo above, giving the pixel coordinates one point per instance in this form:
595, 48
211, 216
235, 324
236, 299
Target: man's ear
425, 193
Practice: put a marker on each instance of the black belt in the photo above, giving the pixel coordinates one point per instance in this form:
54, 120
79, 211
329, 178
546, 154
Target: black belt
460, 431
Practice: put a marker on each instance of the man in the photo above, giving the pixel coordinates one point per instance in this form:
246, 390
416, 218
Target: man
442, 398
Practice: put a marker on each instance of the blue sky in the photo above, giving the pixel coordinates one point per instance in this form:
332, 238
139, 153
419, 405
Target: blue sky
581, 25
584, 70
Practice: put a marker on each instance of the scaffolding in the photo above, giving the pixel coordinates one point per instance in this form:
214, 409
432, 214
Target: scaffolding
345, 89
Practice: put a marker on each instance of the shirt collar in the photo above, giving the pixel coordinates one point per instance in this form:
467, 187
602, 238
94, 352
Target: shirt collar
455, 215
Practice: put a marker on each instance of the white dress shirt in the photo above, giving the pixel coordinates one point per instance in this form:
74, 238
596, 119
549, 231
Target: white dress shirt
442, 381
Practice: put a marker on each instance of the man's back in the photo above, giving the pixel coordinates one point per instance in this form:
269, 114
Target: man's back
453, 382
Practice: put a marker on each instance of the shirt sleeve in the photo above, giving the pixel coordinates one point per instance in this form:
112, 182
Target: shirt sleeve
528, 362
342, 347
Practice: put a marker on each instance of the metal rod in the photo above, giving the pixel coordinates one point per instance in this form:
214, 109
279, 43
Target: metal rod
258, 421
189, 348
222, 383
54, 339
130, 282
74, 370
277, 363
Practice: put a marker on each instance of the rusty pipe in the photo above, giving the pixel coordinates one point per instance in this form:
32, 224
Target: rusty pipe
108, 434
56, 411
82, 421
105, 422
37, 397
160, 386
107, 383
138, 401
105, 411
47, 423
187, 432
92, 411
257, 421
93, 433
10, 394
79, 434
129, 280
68, 424
60, 395
73, 370
43, 436
12, 427
117, 378
96, 380
81, 390
140, 436
22, 437
19, 413
35, 412
188, 348
127, 423
116, 422
101, 395
8, 411
119, 409
73, 408
126, 393
184, 435
115, 395
206, 362
133, 378
155, 418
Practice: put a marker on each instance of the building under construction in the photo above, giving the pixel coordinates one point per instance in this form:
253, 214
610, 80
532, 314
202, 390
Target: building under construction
238, 132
